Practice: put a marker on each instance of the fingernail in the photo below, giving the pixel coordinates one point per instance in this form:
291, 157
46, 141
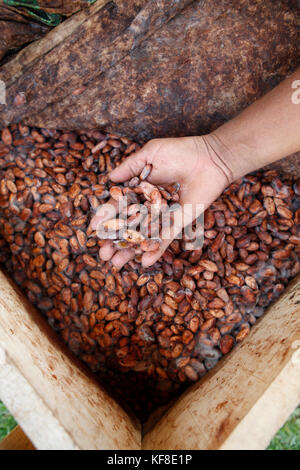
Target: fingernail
95, 222
118, 266
146, 264
112, 173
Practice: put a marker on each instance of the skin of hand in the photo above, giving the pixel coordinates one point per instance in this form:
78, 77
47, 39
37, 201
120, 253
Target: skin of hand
189, 161
265, 132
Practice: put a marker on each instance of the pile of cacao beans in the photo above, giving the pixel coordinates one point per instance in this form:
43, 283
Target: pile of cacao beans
146, 333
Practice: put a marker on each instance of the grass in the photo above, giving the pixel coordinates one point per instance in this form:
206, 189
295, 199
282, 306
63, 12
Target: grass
7, 422
287, 438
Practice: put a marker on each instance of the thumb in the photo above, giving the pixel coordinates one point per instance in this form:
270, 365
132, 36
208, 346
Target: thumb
131, 167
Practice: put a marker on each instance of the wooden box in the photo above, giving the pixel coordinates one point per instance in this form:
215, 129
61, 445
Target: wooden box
240, 404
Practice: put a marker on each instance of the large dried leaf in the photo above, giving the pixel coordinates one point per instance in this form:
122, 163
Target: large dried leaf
63, 7
17, 29
154, 68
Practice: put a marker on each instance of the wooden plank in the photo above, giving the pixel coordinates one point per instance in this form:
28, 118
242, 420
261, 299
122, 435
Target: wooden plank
29, 409
248, 396
16, 440
239, 405
73, 407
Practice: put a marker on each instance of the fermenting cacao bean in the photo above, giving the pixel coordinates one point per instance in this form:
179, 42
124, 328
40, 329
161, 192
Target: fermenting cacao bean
145, 333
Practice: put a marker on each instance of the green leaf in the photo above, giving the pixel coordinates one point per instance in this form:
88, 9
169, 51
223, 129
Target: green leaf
35, 11
7, 422
288, 437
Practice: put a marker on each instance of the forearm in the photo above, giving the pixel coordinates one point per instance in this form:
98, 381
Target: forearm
265, 132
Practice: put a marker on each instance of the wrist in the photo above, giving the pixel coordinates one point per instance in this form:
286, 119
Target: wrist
231, 153
211, 175
220, 156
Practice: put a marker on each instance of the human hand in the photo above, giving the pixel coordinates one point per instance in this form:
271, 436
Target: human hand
190, 161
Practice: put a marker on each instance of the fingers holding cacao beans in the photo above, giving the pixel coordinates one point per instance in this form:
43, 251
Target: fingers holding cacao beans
105, 213
139, 221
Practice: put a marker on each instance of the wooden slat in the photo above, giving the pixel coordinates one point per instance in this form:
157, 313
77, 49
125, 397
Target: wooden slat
37, 373
248, 396
16, 440
26, 405
239, 405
